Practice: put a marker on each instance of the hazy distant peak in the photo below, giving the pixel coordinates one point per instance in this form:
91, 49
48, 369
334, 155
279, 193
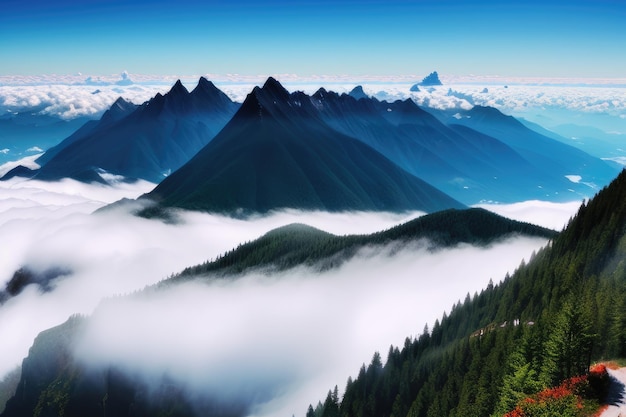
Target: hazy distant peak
358, 93
121, 105
431, 79
486, 111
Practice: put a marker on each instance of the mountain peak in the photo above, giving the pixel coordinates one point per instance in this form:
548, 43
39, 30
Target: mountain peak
118, 109
431, 79
320, 94
358, 93
121, 105
206, 89
178, 89
273, 87
205, 85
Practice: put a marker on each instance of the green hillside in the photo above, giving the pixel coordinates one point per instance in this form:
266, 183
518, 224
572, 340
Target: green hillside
544, 324
297, 244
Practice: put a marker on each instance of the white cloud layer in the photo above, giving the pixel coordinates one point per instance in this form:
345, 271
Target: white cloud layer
46, 225
543, 213
71, 101
599, 105
299, 332
322, 327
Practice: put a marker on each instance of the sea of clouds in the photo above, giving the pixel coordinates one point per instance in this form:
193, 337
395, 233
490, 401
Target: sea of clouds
601, 104
298, 333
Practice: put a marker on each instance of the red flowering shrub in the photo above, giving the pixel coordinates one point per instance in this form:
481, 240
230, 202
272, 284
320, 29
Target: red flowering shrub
566, 399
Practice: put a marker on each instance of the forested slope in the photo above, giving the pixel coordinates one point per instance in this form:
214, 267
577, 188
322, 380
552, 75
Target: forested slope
297, 244
545, 323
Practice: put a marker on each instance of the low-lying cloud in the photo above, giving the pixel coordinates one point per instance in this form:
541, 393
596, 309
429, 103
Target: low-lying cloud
554, 216
50, 225
298, 332
601, 106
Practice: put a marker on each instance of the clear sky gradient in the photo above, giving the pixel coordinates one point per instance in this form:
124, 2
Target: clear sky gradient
548, 38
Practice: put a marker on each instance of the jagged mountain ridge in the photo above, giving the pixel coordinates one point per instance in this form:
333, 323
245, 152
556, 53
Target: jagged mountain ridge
467, 165
147, 142
478, 155
278, 152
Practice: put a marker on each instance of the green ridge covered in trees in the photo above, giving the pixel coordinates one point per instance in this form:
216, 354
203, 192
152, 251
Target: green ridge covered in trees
543, 324
297, 244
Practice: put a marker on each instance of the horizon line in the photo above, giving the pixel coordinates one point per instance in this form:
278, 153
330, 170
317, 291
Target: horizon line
79, 79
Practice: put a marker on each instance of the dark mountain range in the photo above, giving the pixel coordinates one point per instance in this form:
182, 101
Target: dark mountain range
297, 244
52, 382
118, 110
19, 171
278, 152
473, 156
147, 142
468, 165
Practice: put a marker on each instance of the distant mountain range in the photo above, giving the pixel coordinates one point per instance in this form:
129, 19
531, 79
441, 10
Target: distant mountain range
324, 151
29, 133
278, 152
141, 142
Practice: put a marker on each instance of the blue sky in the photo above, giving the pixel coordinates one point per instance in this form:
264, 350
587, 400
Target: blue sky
397, 37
